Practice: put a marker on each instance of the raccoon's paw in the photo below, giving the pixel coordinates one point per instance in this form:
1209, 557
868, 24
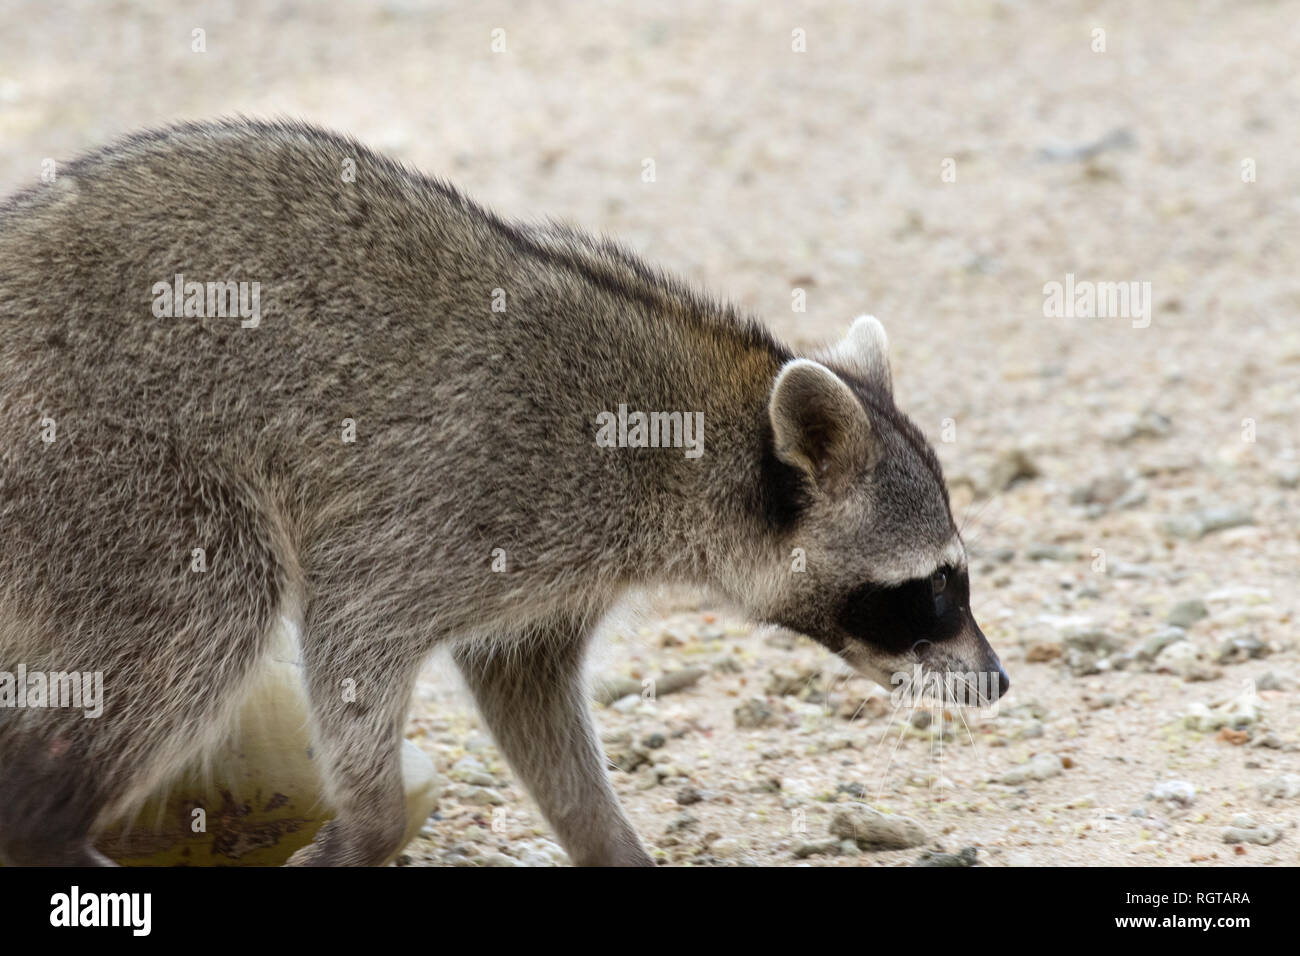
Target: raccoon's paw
627, 851
338, 844
310, 855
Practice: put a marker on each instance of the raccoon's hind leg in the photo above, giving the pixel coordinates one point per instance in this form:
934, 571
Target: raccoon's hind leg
533, 697
46, 812
150, 576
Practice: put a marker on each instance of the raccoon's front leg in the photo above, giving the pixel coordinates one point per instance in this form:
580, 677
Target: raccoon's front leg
359, 689
534, 701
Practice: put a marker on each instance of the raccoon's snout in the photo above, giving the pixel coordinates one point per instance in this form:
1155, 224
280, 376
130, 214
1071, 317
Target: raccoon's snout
993, 664
968, 668
1003, 681
979, 687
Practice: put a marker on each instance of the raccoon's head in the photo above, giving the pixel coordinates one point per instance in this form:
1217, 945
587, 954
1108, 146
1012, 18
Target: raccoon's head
875, 568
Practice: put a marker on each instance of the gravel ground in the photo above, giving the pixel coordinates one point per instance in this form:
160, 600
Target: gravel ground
937, 169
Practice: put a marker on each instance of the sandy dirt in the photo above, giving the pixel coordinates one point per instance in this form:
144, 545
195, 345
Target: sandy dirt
937, 168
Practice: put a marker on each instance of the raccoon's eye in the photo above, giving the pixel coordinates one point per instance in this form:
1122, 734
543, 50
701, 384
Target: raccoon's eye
938, 590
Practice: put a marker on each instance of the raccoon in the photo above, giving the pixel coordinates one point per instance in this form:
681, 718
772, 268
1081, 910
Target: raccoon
400, 450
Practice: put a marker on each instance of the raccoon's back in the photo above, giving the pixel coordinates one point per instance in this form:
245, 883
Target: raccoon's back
341, 264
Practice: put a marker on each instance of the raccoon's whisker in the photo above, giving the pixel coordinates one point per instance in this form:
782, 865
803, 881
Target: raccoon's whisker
885, 773
961, 712
981, 535
983, 530
844, 681
858, 710
884, 736
937, 738
981, 506
836, 680
808, 682
970, 520
967, 517
966, 686
976, 507
902, 730
969, 734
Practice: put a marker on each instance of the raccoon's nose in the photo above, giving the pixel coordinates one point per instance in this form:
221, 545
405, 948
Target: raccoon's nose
1004, 682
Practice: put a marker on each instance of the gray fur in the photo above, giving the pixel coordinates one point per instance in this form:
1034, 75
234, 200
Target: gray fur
474, 432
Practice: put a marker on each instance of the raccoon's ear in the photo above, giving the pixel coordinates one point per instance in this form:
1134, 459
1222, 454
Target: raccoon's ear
818, 424
865, 351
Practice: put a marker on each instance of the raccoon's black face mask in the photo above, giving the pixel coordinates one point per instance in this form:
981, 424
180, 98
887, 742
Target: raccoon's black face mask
894, 618
928, 620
